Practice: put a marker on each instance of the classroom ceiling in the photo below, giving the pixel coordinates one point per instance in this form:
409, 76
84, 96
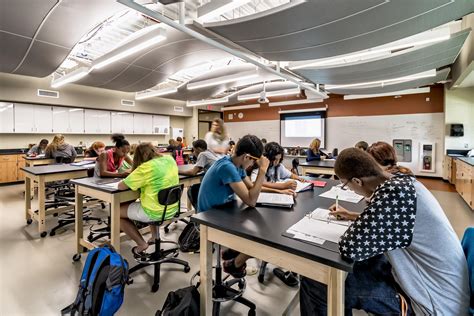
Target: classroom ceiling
53, 35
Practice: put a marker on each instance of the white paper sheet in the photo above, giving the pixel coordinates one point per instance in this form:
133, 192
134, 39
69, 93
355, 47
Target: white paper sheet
343, 195
324, 214
113, 185
316, 230
302, 186
275, 199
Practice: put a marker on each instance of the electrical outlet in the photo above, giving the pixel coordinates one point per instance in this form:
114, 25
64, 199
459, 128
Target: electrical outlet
466, 145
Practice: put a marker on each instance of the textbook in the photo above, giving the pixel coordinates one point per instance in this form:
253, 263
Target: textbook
275, 199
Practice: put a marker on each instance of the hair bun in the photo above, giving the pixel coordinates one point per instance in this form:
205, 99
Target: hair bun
117, 137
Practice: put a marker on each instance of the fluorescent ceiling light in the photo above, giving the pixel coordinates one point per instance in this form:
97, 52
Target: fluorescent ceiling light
221, 80
375, 52
295, 102
70, 77
207, 102
215, 8
269, 94
148, 39
241, 107
154, 93
426, 74
388, 94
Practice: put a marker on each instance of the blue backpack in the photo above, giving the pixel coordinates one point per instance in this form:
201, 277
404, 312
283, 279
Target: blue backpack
103, 280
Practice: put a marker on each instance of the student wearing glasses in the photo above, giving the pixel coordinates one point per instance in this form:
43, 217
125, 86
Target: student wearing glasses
225, 179
404, 223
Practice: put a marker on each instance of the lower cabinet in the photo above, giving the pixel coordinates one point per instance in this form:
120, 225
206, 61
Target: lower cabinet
10, 168
464, 181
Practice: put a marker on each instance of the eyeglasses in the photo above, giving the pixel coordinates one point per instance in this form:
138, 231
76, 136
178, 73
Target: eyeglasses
344, 186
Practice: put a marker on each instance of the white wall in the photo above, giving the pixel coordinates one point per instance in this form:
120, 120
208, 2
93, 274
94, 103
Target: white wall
459, 108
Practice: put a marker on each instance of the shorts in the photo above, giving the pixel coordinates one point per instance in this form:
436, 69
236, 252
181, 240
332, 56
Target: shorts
135, 212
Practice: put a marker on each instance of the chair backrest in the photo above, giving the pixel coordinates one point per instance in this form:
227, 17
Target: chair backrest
295, 163
60, 159
170, 196
468, 247
193, 192
335, 152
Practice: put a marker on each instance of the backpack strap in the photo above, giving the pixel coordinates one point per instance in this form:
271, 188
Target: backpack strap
103, 256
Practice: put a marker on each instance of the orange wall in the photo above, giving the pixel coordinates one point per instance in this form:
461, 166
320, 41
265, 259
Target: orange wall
337, 106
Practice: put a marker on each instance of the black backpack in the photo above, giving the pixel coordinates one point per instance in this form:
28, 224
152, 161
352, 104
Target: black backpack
189, 240
182, 302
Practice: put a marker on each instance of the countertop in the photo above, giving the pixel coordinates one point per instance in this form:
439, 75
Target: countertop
468, 160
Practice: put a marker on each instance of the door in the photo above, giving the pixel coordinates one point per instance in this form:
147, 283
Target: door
203, 127
60, 120
43, 119
6, 118
76, 121
24, 118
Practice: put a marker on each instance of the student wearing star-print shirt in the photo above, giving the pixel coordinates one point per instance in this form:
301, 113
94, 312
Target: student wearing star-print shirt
405, 224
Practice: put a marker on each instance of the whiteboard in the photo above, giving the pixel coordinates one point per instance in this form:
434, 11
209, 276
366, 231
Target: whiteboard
344, 132
269, 129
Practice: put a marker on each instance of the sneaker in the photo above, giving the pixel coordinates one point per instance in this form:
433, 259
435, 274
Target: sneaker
229, 254
288, 277
236, 272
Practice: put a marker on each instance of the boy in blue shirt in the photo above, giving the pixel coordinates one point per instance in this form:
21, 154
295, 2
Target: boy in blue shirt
226, 178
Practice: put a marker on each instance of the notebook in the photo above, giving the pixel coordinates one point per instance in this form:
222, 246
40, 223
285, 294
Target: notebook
319, 184
275, 199
82, 163
303, 186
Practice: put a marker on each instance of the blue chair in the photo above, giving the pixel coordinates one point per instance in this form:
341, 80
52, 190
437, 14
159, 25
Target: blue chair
468, 247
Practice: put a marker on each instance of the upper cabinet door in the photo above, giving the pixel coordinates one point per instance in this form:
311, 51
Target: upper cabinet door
6, 118
60, 120
161, 124
91, 121
142, 124
116, 122
76, 121
43, 119
104, 122
127, 123
24, 118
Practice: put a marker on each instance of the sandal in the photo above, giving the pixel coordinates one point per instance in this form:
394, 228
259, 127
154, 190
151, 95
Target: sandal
139, 255
236, 272
288, 277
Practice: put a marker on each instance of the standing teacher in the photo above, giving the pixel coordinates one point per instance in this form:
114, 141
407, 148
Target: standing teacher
216, 139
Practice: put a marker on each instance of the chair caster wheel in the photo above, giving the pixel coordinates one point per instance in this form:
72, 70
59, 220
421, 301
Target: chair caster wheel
241, 284
155, 287
52, 233
43, 234
252, 312
260, 278
187, 269
102, 205
55, 215
167, 230
29, 221
76, 257
130, 281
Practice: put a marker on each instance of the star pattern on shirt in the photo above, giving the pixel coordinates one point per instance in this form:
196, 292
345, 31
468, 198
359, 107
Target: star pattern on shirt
387, 223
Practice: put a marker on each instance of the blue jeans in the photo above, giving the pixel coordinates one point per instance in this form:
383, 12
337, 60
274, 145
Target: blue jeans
370, 287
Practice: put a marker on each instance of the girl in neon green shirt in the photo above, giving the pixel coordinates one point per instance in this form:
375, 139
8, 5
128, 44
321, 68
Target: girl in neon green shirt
151, 173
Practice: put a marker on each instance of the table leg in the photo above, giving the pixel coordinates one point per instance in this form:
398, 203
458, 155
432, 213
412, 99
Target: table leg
205, 288
41, 207
336, 282
79, 227
115, 222
303, 171
27, 199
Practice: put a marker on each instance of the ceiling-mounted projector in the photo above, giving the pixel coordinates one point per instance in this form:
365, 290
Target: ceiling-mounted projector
263, 98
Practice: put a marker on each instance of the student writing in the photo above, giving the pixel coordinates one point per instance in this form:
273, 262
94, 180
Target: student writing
39, 149
314, 152
59, 148
94, 151
205, 158
111, 160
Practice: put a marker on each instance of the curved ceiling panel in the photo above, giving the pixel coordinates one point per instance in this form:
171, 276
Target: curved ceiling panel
58, 26
325, 28
399, 65
440, 76
177, 52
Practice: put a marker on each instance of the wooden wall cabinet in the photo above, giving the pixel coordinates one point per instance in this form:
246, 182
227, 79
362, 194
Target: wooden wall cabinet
464, 181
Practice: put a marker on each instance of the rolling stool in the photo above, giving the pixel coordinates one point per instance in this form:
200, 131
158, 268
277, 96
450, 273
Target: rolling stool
222, 290
166, 197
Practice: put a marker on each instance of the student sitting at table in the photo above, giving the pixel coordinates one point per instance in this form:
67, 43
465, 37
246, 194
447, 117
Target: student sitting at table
386, 157
93, 152
405, 223
59, 148
362, 145
314, 152
39, 149
111, 160
226, 178
205, 158
151, 173
277, 177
